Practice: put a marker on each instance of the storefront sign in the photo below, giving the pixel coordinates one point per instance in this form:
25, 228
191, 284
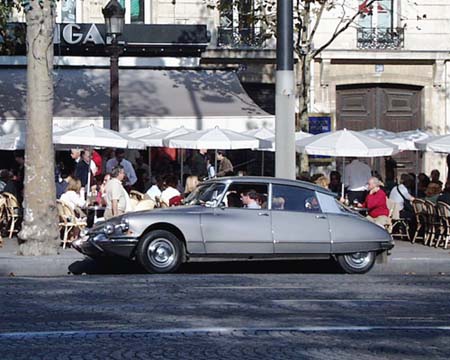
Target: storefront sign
319, 124
138, 39
74, 34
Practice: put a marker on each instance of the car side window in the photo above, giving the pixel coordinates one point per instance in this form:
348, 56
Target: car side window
252, 196
292, 198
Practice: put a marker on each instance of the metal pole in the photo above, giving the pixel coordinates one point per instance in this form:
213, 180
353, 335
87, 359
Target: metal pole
417, 173
114, 85
285, 93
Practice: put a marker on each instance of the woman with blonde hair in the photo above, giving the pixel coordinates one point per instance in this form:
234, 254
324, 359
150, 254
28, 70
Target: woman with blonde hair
74, 195
322, 181
191, 184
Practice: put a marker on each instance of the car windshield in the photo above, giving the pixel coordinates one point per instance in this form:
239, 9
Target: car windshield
206, 194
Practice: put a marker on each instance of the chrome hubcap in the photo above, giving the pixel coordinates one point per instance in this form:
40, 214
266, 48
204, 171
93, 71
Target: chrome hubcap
358, 260
161, 253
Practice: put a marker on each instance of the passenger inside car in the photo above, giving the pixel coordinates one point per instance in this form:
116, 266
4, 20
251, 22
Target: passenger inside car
234, 200
251, 199
278, 203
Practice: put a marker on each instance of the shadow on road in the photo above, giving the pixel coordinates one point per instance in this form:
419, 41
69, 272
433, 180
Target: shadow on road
123, 266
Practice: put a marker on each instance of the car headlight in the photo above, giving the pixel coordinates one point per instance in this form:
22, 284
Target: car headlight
122, 227
109, 229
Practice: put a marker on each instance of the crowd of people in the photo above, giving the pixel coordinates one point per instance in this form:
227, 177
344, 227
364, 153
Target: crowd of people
105, 179
364, 188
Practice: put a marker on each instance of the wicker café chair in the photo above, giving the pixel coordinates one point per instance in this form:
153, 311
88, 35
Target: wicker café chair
397, 223
13, 213
433, 223
134, 194
68, 221
3, 217
443, 210
421, 220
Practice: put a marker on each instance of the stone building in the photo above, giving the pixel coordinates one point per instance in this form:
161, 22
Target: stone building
388, 70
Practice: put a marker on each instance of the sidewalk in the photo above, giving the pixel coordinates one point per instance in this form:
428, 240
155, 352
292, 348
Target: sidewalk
406, 258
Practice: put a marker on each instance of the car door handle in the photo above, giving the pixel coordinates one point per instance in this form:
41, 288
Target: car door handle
321, 217
263, 214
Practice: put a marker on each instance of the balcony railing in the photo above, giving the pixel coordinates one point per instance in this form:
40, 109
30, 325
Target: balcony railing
240, 38
380, 38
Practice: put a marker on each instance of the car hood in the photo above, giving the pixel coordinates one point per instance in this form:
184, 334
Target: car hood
170, 210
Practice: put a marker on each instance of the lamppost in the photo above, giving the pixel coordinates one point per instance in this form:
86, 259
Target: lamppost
285, 93
114, 15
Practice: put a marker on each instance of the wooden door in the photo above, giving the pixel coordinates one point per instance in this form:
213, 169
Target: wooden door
389, 107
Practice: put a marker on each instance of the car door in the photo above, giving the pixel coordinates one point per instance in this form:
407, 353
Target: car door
238, 230
298, 224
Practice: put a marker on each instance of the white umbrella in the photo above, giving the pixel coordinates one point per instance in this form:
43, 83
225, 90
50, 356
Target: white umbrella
408, 142
17, 141
137, 133
379, 133
14, 141
157, 138
261, 133
345, 143
216, 138
93, 136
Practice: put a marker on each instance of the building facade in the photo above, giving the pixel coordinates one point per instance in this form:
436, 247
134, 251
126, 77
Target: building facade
389, 69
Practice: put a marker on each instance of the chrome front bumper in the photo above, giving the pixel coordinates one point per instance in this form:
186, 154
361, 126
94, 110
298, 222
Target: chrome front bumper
100, 244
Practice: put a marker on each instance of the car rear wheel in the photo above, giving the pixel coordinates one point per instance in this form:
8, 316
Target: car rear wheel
357, 263
160, 252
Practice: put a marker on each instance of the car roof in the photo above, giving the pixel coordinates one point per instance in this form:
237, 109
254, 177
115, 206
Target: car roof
273, 180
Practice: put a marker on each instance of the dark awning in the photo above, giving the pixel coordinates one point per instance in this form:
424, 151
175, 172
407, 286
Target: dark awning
166, 98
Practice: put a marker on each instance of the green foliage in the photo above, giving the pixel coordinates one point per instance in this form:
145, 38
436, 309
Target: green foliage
10, 37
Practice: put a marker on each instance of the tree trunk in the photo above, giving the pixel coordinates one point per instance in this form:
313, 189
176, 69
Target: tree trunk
39, 229
304, 91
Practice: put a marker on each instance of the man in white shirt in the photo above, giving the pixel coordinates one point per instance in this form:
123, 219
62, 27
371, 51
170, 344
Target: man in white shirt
356, 177
170, 190
130, 174
155, 190
399, 190
116, 195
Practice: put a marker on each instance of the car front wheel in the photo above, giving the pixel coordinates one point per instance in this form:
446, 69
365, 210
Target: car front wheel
357, 263
160, 252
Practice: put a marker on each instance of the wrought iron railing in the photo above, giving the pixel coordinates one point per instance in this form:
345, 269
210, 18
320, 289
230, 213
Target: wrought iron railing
240, 37
380, 38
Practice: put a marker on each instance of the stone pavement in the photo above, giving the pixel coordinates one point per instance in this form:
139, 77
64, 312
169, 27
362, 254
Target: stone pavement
406, 258
225, 316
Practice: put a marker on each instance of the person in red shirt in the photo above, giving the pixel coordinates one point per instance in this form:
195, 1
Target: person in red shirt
376, 203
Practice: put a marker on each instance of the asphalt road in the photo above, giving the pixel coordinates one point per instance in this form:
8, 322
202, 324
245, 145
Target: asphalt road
276, 315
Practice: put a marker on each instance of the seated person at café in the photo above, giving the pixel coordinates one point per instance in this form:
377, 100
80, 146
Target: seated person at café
400, 194
250, 199
74, 195
445, 196
376, 203
432, 192
170, 189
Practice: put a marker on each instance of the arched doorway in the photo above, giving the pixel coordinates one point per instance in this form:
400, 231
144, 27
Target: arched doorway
386, 106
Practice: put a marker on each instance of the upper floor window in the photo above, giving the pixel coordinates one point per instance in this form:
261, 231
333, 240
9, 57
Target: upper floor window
379, 14
137, 11
239, 24
66, 11
378, 26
